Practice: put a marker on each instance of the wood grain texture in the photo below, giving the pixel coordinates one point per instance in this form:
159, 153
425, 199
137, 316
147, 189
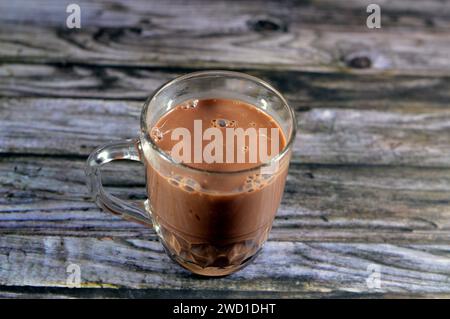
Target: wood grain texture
27, 292
406, 93
283, 267
17, 292
228, 15
328, 135
272, 37
47, 196
369, 182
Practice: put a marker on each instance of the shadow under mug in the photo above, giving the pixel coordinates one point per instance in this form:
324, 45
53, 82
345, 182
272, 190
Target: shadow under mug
206, 220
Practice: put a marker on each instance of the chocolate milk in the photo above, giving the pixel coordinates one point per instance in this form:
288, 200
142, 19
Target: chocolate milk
214, 218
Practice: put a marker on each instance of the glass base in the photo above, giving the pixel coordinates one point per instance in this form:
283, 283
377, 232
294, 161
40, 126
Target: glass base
210, 271
206, 258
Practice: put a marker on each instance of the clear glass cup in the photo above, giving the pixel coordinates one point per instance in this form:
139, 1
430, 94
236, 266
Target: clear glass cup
207, 221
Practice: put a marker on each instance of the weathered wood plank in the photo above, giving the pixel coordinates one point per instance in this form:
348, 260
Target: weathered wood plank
28, 292
348, 185
48, 196
355, 91
331, 134
273, 15
79, 81
302, 48
158, 293
285, 267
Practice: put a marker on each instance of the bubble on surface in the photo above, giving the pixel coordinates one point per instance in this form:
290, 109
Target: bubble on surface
186, 183
189, 184
222, 123
248, 188
191, 104
156, 134
256, 181
175, 180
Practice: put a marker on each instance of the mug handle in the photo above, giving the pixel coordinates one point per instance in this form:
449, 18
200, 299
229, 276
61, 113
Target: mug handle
126, 149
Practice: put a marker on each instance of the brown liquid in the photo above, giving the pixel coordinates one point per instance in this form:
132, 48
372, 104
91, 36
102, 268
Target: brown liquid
213, 223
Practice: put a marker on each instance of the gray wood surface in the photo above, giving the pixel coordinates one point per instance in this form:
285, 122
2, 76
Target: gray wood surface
343, 122
285, 268
369, 182
47, 196
286, 35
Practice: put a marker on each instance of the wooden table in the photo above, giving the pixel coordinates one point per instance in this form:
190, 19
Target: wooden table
369, 184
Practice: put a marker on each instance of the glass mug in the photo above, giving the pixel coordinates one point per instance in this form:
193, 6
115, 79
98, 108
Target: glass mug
206, 221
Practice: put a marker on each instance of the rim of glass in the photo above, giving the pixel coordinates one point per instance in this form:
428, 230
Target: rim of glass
222, 73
